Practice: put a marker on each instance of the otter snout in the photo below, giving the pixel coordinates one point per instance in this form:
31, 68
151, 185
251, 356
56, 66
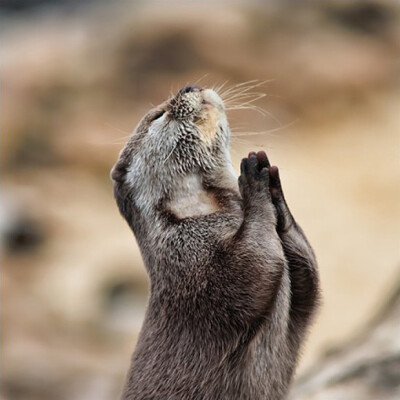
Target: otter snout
201, 107
195, 102
211, 97
189, 89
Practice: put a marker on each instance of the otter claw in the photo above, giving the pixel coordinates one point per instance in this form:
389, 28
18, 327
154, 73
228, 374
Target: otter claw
263, 161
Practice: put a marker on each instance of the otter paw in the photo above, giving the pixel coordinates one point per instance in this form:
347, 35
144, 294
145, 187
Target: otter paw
275, 186
284, 217
254, 175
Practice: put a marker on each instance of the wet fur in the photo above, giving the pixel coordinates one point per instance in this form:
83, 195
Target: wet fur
232, 291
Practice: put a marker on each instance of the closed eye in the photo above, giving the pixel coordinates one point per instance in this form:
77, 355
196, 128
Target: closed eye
157, 115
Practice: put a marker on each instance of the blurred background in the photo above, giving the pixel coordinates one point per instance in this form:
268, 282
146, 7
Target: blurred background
77, 77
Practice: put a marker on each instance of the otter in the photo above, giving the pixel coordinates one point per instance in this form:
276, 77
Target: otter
233, 280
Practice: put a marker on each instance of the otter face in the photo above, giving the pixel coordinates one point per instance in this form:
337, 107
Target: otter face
188, 134
202, 106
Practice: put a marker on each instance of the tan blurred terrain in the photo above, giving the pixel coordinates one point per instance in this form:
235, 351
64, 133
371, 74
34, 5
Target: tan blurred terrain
75, 82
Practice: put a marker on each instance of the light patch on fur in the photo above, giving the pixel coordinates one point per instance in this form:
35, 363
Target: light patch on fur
191, 200
208, 125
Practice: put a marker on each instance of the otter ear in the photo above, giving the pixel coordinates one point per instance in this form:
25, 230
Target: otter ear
118, 171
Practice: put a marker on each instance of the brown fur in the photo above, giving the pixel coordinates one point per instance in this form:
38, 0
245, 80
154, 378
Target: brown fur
232, 291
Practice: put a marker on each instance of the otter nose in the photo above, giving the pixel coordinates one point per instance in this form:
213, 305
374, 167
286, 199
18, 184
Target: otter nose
188, 89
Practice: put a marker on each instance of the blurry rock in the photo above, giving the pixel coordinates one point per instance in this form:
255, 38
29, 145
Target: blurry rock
31, 5
364, 17
23, 236
20, 232
365, 368
124, 304
34, 149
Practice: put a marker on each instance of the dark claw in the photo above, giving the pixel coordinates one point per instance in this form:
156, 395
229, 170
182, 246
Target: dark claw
274, 174
275, 182
252, 166
263, 161
243, 166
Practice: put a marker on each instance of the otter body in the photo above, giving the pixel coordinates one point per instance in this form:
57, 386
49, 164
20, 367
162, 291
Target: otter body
233, 279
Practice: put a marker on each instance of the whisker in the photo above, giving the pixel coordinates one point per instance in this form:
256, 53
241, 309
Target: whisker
201, 78
267, 132
172, 91
169, 155
248, 107
242, 88
218, 88
253, 107
105, 143
237, 141
254, 133
239, 85
241, 95
116, 128
250, 101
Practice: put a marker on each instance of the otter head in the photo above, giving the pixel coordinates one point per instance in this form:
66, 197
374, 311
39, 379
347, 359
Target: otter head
186, 136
